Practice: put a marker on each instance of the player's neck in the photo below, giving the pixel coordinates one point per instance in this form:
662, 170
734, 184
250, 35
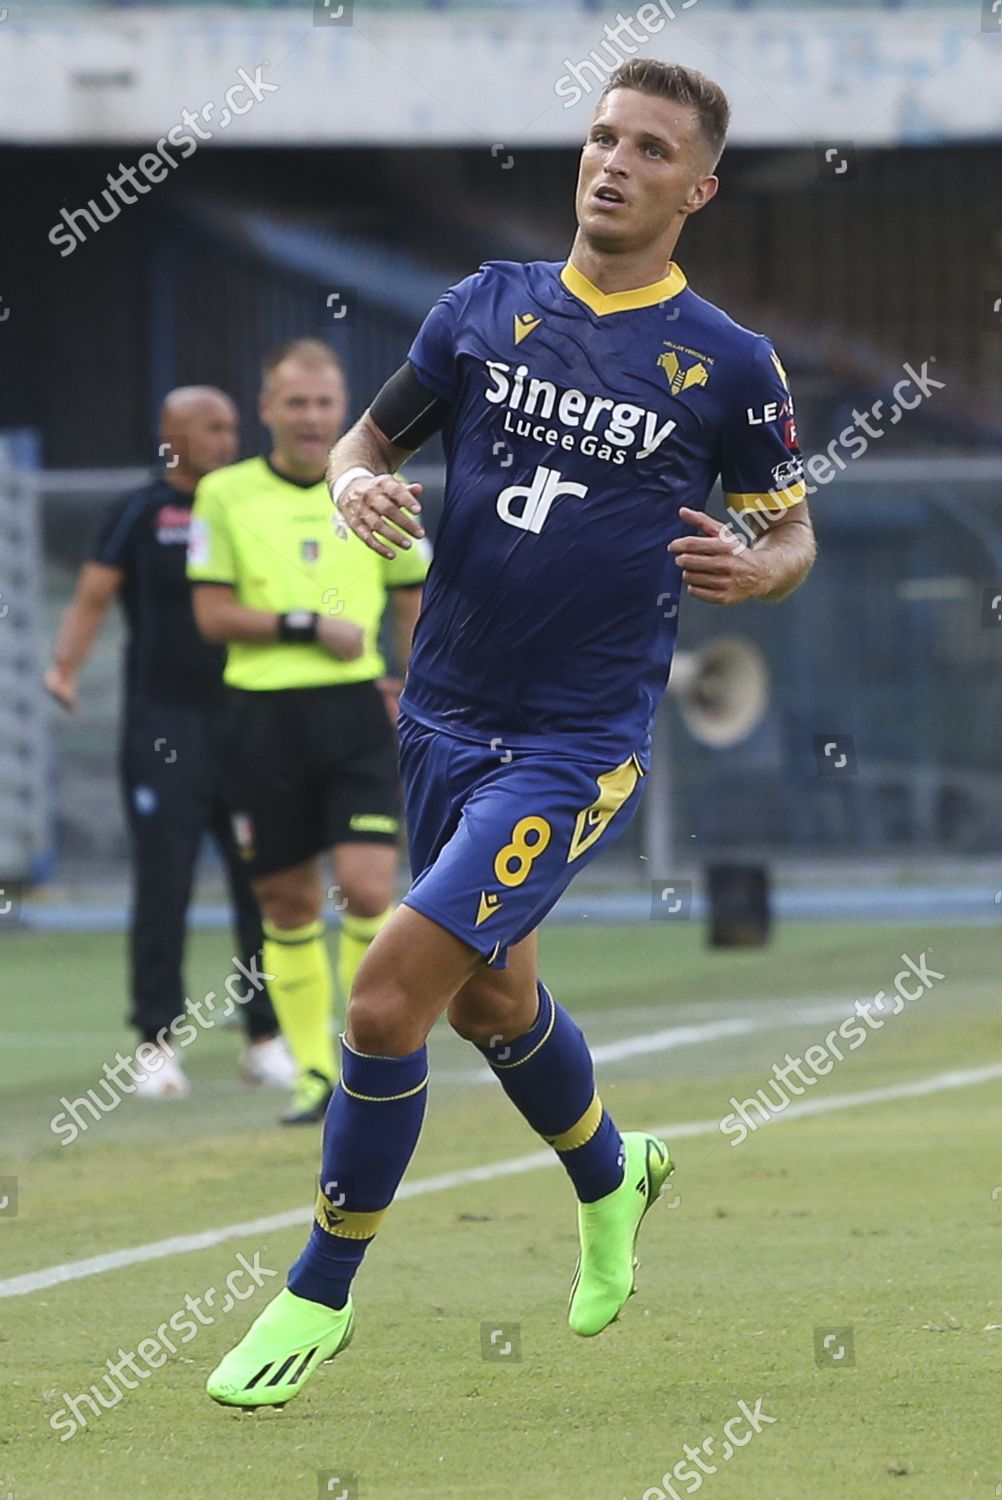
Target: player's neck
620, 273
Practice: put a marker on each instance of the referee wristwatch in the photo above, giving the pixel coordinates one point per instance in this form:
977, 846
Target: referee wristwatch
297, 625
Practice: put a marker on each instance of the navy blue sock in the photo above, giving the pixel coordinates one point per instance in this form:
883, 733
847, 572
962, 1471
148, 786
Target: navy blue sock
372, 1127
548, 1076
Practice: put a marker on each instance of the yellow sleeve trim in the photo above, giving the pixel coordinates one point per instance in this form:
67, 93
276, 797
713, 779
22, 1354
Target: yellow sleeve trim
773, 500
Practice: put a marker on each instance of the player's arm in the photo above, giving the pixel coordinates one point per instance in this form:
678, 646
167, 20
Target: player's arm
381, 509
96, 587
414, 403
222, 618
767, 548
719, 566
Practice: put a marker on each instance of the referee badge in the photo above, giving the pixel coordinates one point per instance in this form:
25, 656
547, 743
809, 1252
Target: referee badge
310, 550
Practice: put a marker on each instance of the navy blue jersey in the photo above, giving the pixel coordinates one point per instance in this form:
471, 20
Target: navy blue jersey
166, 656
579, 422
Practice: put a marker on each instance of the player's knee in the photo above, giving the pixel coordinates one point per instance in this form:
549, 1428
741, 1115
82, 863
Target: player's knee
380, 1022
483, 1014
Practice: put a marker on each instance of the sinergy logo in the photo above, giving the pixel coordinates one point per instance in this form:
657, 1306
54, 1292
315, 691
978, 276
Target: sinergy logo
596, 426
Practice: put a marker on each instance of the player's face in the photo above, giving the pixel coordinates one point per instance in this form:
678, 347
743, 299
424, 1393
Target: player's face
643, 168
211, 435
305, 408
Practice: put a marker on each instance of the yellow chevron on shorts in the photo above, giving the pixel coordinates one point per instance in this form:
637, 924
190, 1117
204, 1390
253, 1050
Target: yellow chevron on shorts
344, 1224
614, 788
490, 902
581, 1133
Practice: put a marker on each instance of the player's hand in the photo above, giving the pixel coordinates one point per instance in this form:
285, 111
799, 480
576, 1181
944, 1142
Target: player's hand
61, 684
391, 688
340, 638
718, 565
382, 511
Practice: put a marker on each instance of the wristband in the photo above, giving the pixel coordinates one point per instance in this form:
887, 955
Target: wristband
342, 482
297, 625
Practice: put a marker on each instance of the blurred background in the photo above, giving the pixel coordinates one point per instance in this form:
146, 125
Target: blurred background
389, 148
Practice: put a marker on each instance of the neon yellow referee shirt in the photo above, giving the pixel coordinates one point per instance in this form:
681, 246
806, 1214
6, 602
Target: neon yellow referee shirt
273, 541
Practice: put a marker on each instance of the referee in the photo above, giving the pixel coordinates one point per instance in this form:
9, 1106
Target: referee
312, 758
170, 760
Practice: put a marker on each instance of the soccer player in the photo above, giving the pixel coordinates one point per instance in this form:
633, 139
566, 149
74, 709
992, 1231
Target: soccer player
171, 766
586, 411
312, 754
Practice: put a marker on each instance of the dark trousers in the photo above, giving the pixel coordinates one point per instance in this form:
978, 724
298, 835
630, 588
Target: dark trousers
173, 775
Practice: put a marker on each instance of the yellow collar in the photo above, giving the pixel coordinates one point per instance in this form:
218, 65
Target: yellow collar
612, 302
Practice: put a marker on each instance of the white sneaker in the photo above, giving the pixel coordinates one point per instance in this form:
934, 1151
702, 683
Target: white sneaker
269, 1062
161, 1080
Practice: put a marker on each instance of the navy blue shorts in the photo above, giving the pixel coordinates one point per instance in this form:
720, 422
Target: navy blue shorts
497, 836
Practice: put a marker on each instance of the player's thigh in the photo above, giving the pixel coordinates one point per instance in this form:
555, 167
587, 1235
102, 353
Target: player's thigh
409, 974
525, 831
498, 1004
364, 876
437, 773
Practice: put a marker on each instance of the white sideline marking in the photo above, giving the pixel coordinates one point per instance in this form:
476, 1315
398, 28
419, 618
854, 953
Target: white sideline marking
181, 1244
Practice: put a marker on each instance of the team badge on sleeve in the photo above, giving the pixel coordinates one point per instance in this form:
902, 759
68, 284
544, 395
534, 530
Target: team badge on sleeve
198, 542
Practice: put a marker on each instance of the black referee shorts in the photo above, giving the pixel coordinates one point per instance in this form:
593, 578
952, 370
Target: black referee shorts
308, 768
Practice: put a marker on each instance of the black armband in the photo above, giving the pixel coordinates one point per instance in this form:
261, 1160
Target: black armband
406, 411
297, 625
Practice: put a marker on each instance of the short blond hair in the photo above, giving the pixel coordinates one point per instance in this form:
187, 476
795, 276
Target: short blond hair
313, 353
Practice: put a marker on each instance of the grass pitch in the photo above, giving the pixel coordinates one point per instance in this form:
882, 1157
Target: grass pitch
879, 1225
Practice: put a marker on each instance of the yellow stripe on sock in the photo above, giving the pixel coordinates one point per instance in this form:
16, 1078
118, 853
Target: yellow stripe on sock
343, 1223
301, 987
541, 1043
365, 928
356, 933
385, 1098
582, 1132
293, 937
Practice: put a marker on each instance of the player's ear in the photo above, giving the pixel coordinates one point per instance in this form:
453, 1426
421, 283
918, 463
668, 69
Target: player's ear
700, 194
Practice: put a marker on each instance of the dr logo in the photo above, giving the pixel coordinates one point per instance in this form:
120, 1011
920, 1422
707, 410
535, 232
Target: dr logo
527, 505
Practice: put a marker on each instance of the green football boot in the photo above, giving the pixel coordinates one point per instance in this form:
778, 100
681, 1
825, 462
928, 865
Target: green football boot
280, 1351
608, 1231
310, 1099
